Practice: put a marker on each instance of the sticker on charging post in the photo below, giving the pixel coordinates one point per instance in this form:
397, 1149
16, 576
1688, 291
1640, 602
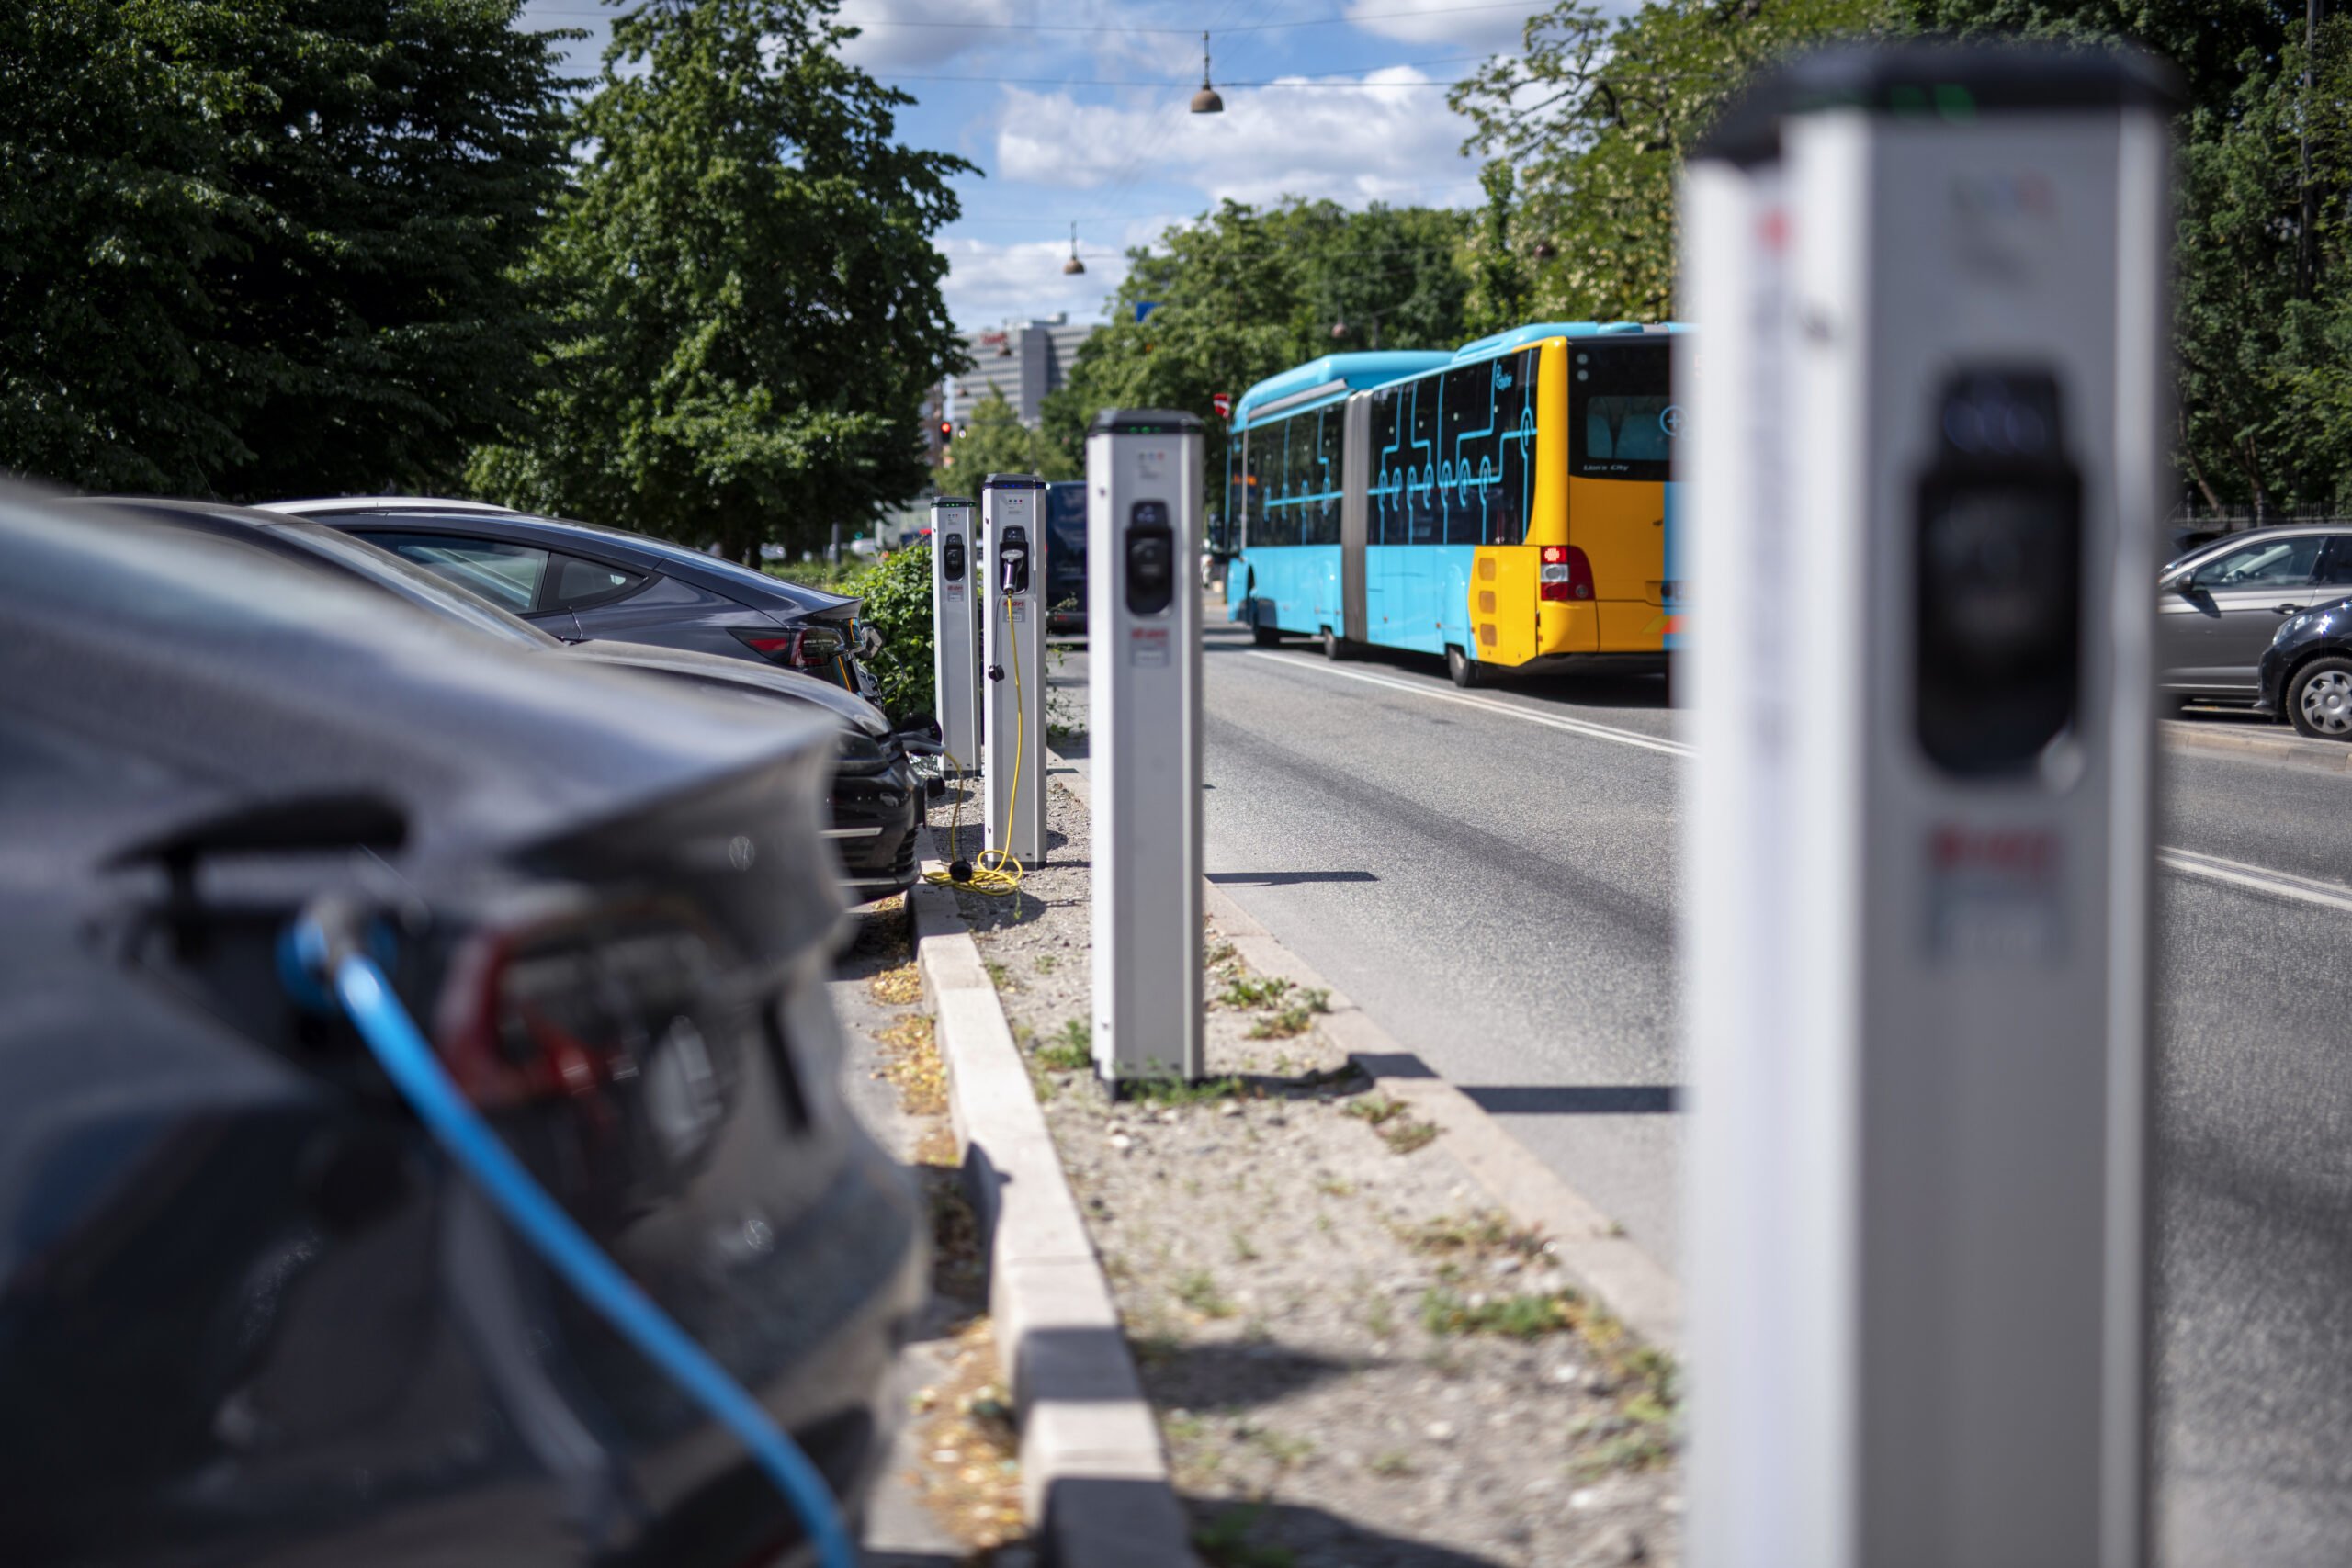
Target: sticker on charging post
1018, 609
1996, 895
1148, 647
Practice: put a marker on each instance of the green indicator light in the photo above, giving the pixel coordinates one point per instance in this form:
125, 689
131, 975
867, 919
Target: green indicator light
1955, 102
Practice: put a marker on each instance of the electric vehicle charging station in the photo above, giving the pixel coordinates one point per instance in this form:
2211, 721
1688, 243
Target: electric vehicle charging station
1015, 649
955, 584
1143, 502
1928, 415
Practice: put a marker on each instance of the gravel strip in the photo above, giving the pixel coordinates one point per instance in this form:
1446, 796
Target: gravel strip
1352, 1361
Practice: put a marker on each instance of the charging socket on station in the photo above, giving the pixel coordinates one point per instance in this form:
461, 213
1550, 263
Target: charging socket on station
1997, 572
1151, 559
951, 559
1012, 560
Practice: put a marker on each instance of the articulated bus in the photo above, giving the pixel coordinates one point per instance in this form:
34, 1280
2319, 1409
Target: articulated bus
1508, 506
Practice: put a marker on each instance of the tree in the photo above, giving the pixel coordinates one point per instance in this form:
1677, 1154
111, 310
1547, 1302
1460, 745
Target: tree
747, 294
996, 442
1242, 293
1596, 118
249, 247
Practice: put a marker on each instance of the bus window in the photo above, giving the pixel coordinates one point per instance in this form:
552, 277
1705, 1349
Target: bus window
1621, 418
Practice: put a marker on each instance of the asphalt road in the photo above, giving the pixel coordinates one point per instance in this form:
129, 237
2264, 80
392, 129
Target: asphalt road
1492, 875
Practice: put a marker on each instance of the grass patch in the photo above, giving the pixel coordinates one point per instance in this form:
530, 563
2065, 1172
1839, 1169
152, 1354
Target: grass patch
1375, 1111
999, 975
1225, 1542
1391, 1463
1244, 1249
1165, 1088
1198, 1290
1386, 1116
1487, 1232
1447, 1312
1217, 952
1246, 990
1282, 1025
1047, 963
1071, 1049
1405, 1137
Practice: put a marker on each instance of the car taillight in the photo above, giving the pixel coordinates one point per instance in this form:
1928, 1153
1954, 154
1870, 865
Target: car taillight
808, 648
1565, 575
609, 1017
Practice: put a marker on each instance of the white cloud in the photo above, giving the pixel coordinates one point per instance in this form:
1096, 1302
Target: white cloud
1391, 138
1474, 24
890, 41
987, 284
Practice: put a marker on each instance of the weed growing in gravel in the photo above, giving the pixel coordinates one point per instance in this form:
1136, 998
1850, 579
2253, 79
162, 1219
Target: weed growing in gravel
999, 975
1281, 1447
1197, 1290
1247, 990
1244, 1250
1284, 1025
1074, 1048
1406, 1137
1225, 1542
1217, 952
1392, 1462
1379, 1318
1445, 1311
1333, 1187
1047, 963
1166, 1089
1375, 1110
1484, 1231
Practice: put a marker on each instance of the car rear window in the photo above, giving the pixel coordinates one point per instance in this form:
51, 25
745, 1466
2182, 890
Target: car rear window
576, 583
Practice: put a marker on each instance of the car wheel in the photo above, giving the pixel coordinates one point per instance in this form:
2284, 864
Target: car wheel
1460, 667
1335, 648
2319, 699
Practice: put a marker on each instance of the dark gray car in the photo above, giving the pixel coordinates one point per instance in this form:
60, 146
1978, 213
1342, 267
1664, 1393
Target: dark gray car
581, 581
2218, 607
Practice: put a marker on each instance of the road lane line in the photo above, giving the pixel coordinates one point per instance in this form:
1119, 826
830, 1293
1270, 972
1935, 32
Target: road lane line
2260, 879
2186, 862
1549, 721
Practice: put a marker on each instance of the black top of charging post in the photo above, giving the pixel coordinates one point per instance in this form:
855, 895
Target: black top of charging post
1012, 481
1940, 80
1144, 421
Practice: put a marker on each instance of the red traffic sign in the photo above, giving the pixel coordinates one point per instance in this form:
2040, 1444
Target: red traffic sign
1222, 402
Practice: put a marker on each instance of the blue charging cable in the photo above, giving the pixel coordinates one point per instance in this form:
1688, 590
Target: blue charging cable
368, 998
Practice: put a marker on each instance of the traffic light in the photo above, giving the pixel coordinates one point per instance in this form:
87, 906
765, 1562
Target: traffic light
946, 430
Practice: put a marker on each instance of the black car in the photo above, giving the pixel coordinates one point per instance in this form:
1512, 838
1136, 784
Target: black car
2306, 672
249, 1312
874, 800
579, 581
1066, 556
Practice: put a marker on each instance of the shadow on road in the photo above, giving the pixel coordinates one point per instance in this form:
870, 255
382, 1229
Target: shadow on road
1310, 1538
1286, 878
1573, 1100
1596, 688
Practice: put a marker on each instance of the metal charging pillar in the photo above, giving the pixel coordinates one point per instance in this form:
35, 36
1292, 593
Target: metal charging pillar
1013, 659
955, 584
1143, 506
1927, 406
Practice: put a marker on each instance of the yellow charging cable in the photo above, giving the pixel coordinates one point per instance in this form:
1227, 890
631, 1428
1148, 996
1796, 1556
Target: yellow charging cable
996, 872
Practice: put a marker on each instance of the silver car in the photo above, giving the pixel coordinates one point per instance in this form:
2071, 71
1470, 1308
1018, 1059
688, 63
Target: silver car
2217, 606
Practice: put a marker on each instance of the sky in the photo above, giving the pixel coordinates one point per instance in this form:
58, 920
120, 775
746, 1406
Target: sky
1077, 112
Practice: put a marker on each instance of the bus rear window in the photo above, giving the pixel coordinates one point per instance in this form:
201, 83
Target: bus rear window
1621, 414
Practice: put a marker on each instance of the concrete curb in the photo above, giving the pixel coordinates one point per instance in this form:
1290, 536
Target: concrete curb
1591, 1249
1094, 1477
2322, 756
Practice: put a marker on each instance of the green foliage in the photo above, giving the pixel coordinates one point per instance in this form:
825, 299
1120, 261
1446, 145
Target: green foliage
252, 247
894, 594
746, 291
1595, 118
996, 442
1244, 292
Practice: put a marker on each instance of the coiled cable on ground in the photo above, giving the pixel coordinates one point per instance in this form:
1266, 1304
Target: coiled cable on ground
996, 872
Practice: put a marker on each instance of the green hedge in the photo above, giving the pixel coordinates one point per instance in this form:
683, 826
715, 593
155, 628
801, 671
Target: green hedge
896, 594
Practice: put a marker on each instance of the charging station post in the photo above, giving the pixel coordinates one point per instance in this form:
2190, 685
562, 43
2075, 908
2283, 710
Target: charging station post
1143, 506
1928, 443
955, 661
1014, 649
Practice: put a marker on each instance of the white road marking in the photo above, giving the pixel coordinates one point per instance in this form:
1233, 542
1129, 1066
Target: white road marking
1549, 721
2187, 863
2261, 879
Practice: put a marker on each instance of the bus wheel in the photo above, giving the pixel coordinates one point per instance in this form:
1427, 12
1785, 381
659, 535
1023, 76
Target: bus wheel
1335, 648
1266, 637
1459, 666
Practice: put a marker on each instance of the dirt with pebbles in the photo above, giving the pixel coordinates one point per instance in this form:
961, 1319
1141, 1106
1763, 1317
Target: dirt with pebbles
1355, 1362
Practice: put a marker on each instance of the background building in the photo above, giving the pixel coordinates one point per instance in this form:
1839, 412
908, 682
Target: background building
1023, 360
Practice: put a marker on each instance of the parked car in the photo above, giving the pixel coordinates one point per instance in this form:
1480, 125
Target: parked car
579, 581
248, 1313
872, 799
1066, 556
2306, 672
2217, 608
